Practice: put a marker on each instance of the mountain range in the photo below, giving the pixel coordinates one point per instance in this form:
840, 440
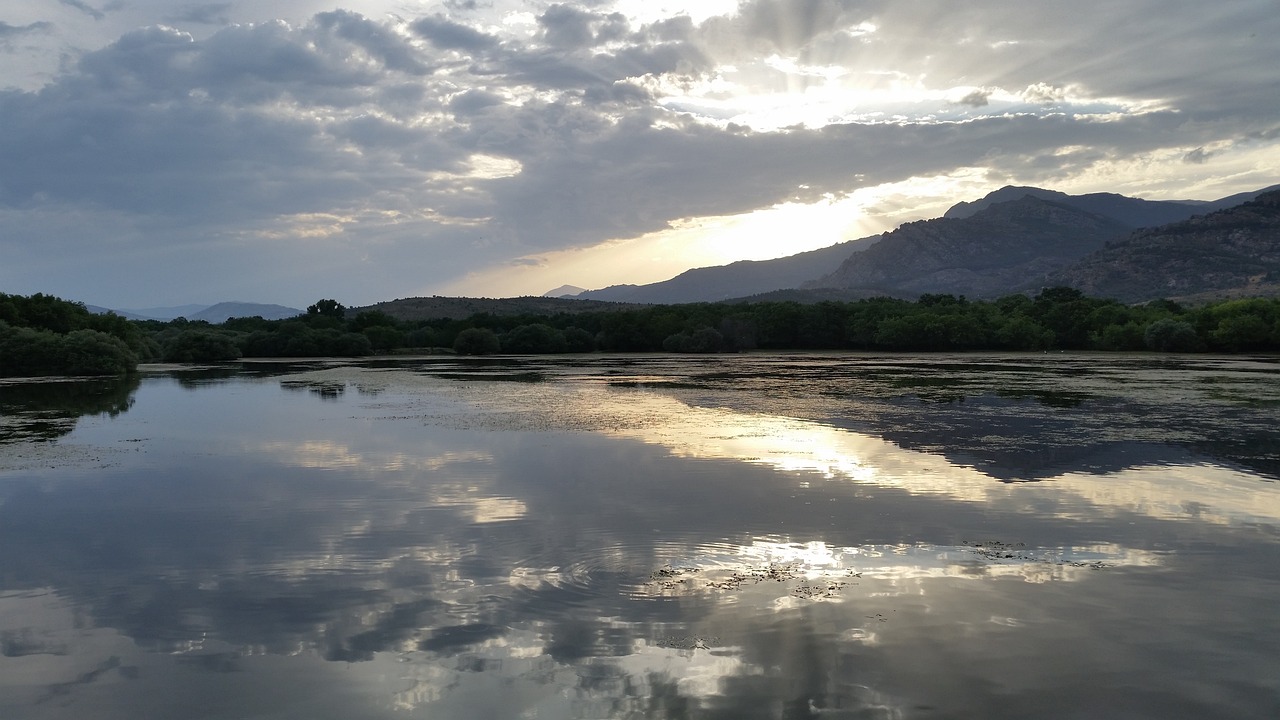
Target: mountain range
1016, 239
1229, 253
1013, 240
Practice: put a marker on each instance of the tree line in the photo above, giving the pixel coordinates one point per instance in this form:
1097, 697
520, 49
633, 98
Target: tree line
44, 335
1054, 319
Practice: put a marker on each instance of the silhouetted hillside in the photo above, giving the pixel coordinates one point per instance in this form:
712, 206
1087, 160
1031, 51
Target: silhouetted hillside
1133, 212
1232, 252
1003, 248
735, 280
991, 251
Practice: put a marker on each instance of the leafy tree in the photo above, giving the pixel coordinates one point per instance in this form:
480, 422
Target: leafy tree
1167, 306
738, 331
623, 334
578, 340
1065, 312
371, 318
534, 338
423, 337
1169, 335
1020, 332
247, 324
1241, 325
702, 340
45, 312
27, 352
327, 308
200, 345
348, 345
915, 331
476, 341
1242, 332
821, 326
44, 335
1129, 336
383, 337
89, 352
777, 324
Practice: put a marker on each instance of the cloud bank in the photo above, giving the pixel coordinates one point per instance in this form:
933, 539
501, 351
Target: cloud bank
209, 153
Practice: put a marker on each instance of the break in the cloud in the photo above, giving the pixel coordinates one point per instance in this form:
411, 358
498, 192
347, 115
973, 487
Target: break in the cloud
209, 151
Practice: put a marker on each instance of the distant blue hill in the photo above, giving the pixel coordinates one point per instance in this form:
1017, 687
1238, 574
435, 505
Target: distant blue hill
221, 312
154, 313
214, 314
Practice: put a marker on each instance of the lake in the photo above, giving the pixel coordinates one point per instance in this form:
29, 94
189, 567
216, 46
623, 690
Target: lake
742, 536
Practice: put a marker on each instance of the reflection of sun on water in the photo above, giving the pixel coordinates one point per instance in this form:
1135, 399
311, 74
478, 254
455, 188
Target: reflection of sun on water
791, 572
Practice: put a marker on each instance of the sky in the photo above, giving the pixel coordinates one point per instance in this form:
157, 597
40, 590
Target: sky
156, 152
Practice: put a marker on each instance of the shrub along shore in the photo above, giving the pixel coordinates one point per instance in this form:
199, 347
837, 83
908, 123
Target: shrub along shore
44, 335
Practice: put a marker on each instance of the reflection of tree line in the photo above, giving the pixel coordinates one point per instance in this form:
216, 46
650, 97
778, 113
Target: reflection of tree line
49, 410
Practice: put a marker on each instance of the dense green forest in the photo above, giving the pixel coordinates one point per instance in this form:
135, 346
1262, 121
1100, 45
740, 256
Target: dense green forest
42, 335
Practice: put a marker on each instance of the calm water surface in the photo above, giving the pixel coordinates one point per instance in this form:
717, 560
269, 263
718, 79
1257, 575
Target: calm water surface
758, 536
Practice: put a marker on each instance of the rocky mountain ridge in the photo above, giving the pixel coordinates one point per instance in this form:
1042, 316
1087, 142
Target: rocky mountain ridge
1015, 239
1228, 253
1006, 247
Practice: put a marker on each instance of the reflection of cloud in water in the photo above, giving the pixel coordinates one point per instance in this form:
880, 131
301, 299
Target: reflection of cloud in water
481, 509
322, 454
1207, 492
516, 669
405, 561
329, 454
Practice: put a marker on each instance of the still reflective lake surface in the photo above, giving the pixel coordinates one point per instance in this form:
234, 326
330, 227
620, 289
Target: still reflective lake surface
755, 536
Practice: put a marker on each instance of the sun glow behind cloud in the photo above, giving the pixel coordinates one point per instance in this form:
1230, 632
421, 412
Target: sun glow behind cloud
781, 230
